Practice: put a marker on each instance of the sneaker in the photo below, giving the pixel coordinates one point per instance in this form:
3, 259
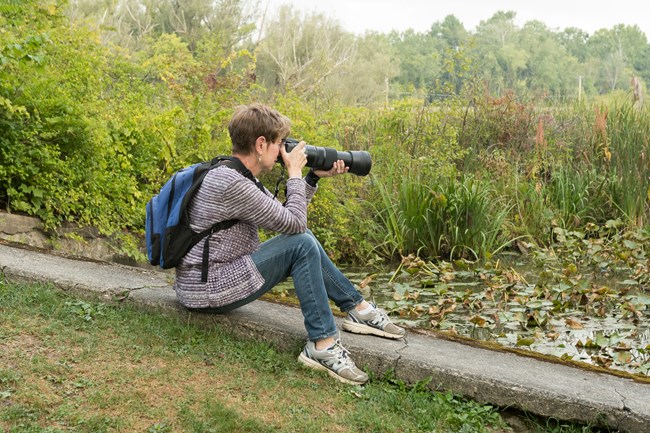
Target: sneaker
335, 361
376, 322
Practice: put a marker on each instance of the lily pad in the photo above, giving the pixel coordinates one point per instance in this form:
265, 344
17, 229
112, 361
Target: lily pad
525, 341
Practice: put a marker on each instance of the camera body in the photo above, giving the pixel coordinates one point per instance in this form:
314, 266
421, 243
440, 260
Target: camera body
322, 158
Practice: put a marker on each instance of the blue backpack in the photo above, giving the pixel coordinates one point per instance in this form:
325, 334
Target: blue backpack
167, 230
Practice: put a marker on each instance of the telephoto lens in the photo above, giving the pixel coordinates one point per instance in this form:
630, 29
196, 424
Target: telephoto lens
322, 158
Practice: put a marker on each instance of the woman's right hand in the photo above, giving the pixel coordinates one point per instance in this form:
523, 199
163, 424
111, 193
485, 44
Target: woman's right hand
294, 160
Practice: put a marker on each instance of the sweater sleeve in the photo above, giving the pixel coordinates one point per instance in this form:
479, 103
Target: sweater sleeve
247, 203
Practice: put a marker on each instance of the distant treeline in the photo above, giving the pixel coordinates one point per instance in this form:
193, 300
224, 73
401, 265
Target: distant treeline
312, 54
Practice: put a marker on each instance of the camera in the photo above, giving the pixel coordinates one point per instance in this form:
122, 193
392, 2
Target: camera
322, 158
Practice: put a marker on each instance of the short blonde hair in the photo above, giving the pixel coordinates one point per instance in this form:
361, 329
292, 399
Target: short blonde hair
256, 120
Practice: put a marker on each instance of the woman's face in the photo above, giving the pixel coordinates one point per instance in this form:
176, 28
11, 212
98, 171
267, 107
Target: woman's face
270, 154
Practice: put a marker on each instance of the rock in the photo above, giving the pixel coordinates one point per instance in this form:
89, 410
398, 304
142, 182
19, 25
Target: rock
69, 239
11, 224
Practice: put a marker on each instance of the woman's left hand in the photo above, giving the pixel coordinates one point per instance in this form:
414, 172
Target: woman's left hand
337, 168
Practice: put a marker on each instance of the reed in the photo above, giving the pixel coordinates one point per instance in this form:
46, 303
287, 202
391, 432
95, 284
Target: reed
450, 217
579, 196
517, 178
474, 216
628, 133
402, 213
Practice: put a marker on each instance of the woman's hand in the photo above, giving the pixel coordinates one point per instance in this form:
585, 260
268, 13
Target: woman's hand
337, 168
294, 160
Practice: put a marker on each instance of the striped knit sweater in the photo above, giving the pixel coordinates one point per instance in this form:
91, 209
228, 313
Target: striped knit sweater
226, 194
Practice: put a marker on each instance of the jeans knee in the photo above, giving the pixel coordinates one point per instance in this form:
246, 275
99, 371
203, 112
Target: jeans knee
307, 242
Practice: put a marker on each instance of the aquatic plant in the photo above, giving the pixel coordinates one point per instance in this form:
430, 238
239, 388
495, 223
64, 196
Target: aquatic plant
585, 298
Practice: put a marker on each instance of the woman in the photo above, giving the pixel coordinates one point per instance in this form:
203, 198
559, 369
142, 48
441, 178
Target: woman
241, 270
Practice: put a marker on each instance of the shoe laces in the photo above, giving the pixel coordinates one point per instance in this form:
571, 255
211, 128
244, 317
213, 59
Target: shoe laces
380, 318
342, 355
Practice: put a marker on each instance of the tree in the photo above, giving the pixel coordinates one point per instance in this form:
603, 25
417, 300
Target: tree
366, 78
642, 65
419, 58
574, 41
453, 54
549, 68
451, 30
614, 53
301, 53
498, 51
128, 23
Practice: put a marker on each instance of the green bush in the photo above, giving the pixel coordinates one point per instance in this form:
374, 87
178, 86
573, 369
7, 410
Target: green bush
89, 132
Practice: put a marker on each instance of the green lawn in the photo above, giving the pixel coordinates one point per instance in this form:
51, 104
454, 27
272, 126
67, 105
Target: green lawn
74, 365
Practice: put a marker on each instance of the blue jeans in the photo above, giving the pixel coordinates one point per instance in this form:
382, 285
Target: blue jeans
315, 278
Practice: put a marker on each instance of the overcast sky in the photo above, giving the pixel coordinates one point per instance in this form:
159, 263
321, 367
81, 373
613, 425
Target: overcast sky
357, 16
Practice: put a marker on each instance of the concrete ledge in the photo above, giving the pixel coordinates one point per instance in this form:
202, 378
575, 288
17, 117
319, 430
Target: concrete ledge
498, 378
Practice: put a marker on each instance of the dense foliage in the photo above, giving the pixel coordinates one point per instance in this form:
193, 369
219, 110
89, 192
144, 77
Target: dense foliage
480, 141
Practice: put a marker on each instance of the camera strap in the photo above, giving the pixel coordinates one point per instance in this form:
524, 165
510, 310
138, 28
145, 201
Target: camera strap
280, 180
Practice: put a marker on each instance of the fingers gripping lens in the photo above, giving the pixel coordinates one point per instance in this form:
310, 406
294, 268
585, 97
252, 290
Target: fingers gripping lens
322, 158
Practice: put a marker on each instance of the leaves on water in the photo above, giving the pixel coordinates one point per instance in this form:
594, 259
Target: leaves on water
525, 341
585, 298
573, 323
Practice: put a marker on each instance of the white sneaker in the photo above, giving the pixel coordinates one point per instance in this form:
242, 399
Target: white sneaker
335, 361
376, 322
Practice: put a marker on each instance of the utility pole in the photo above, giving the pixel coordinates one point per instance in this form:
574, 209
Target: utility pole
386, 82
579, 88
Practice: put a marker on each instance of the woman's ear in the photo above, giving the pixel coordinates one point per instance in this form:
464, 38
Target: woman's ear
259, 144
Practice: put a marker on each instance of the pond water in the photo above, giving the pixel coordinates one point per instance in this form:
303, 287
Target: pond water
580, 314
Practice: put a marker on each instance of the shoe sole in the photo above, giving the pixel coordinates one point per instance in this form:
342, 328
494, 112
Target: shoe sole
360, 328
310, 363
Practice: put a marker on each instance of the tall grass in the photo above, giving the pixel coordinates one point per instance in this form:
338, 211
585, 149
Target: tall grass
475, 216
402, 213
573, 165
529, 216
579, 196
628, 141
449, 217
484, 172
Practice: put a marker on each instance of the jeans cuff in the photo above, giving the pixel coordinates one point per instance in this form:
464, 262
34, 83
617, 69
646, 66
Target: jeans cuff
354, 304
324, 336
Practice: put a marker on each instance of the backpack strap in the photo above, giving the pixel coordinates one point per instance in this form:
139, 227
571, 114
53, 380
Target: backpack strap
234, 163
223, 225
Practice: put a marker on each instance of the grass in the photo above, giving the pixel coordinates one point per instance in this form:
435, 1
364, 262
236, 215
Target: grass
629, 144
73, 365
435, 217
